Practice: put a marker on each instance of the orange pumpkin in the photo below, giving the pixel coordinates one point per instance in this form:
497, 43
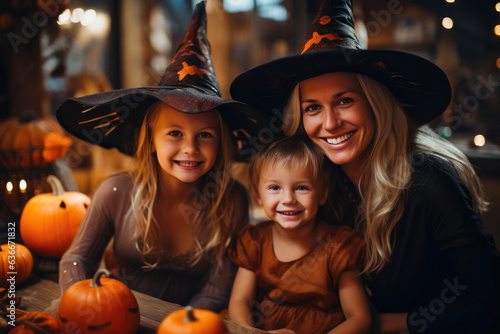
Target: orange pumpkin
192, 321
36, 322
21, 264
49, 222
99, 306
54, 146
22, 141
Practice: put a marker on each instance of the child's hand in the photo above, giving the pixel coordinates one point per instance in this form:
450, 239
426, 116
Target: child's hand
282, 331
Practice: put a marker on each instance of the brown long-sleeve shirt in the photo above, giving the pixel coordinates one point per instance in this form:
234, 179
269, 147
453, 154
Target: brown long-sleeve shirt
110, 215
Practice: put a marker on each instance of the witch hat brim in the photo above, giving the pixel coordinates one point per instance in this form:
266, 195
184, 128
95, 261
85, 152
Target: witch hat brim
112, 119
419, 85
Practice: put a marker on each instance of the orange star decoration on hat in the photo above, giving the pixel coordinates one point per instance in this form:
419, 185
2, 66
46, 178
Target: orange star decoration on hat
316, 39
191, 70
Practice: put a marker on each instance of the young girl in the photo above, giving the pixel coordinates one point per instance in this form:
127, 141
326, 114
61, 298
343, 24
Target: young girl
173, 219
296, 273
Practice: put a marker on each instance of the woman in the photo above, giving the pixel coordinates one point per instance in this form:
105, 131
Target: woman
173, 219
430, 265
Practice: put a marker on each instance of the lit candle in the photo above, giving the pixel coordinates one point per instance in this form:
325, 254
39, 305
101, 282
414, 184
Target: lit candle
23, 185
9, 187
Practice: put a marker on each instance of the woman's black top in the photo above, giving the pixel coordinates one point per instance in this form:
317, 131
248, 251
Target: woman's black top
445, 268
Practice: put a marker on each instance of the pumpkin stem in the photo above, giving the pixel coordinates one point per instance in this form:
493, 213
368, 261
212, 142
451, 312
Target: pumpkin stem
189, 314
56, 185
96, 281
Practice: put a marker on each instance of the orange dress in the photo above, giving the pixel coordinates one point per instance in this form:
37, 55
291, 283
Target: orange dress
301, 295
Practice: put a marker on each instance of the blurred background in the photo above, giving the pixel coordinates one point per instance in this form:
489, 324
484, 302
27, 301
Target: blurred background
54, 49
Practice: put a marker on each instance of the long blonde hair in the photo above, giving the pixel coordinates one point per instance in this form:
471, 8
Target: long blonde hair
386, 176
212, 222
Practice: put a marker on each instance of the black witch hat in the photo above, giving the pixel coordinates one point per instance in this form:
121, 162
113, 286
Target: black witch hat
112, 119
331, 45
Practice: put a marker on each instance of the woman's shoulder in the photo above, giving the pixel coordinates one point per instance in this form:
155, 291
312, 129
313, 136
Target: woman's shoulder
436, 182
429, 170
431, 163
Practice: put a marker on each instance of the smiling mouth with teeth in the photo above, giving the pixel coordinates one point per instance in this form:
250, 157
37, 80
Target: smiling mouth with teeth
289, 213
340, 139
188, 163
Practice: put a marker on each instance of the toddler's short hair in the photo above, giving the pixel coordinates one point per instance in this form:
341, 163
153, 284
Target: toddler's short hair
294, 151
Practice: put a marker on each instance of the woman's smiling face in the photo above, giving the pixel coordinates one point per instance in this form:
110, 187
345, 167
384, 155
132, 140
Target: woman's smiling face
337, 117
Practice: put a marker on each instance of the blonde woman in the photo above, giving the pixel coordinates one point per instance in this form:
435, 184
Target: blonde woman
430, 266
173, 219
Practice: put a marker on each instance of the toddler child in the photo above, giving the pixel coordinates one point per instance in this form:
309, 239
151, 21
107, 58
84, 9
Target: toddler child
297, 274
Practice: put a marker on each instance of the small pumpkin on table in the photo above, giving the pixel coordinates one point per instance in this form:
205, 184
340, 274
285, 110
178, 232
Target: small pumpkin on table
99, 306
35, 323
192, 321
21, 264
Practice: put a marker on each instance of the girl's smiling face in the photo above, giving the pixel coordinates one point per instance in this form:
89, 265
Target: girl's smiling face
186, 145
337, 117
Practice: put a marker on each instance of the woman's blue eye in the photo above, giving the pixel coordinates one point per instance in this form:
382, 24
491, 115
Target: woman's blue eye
274, 188
345, 100
312, 107
302, 188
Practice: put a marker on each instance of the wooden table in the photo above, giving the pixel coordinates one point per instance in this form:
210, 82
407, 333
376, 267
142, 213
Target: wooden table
37, 295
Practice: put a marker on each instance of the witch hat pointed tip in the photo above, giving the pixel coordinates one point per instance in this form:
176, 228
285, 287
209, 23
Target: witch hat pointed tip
192, 64
332, 28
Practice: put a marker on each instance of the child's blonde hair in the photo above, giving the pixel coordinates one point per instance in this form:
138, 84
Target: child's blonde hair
295, 152
212, 222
